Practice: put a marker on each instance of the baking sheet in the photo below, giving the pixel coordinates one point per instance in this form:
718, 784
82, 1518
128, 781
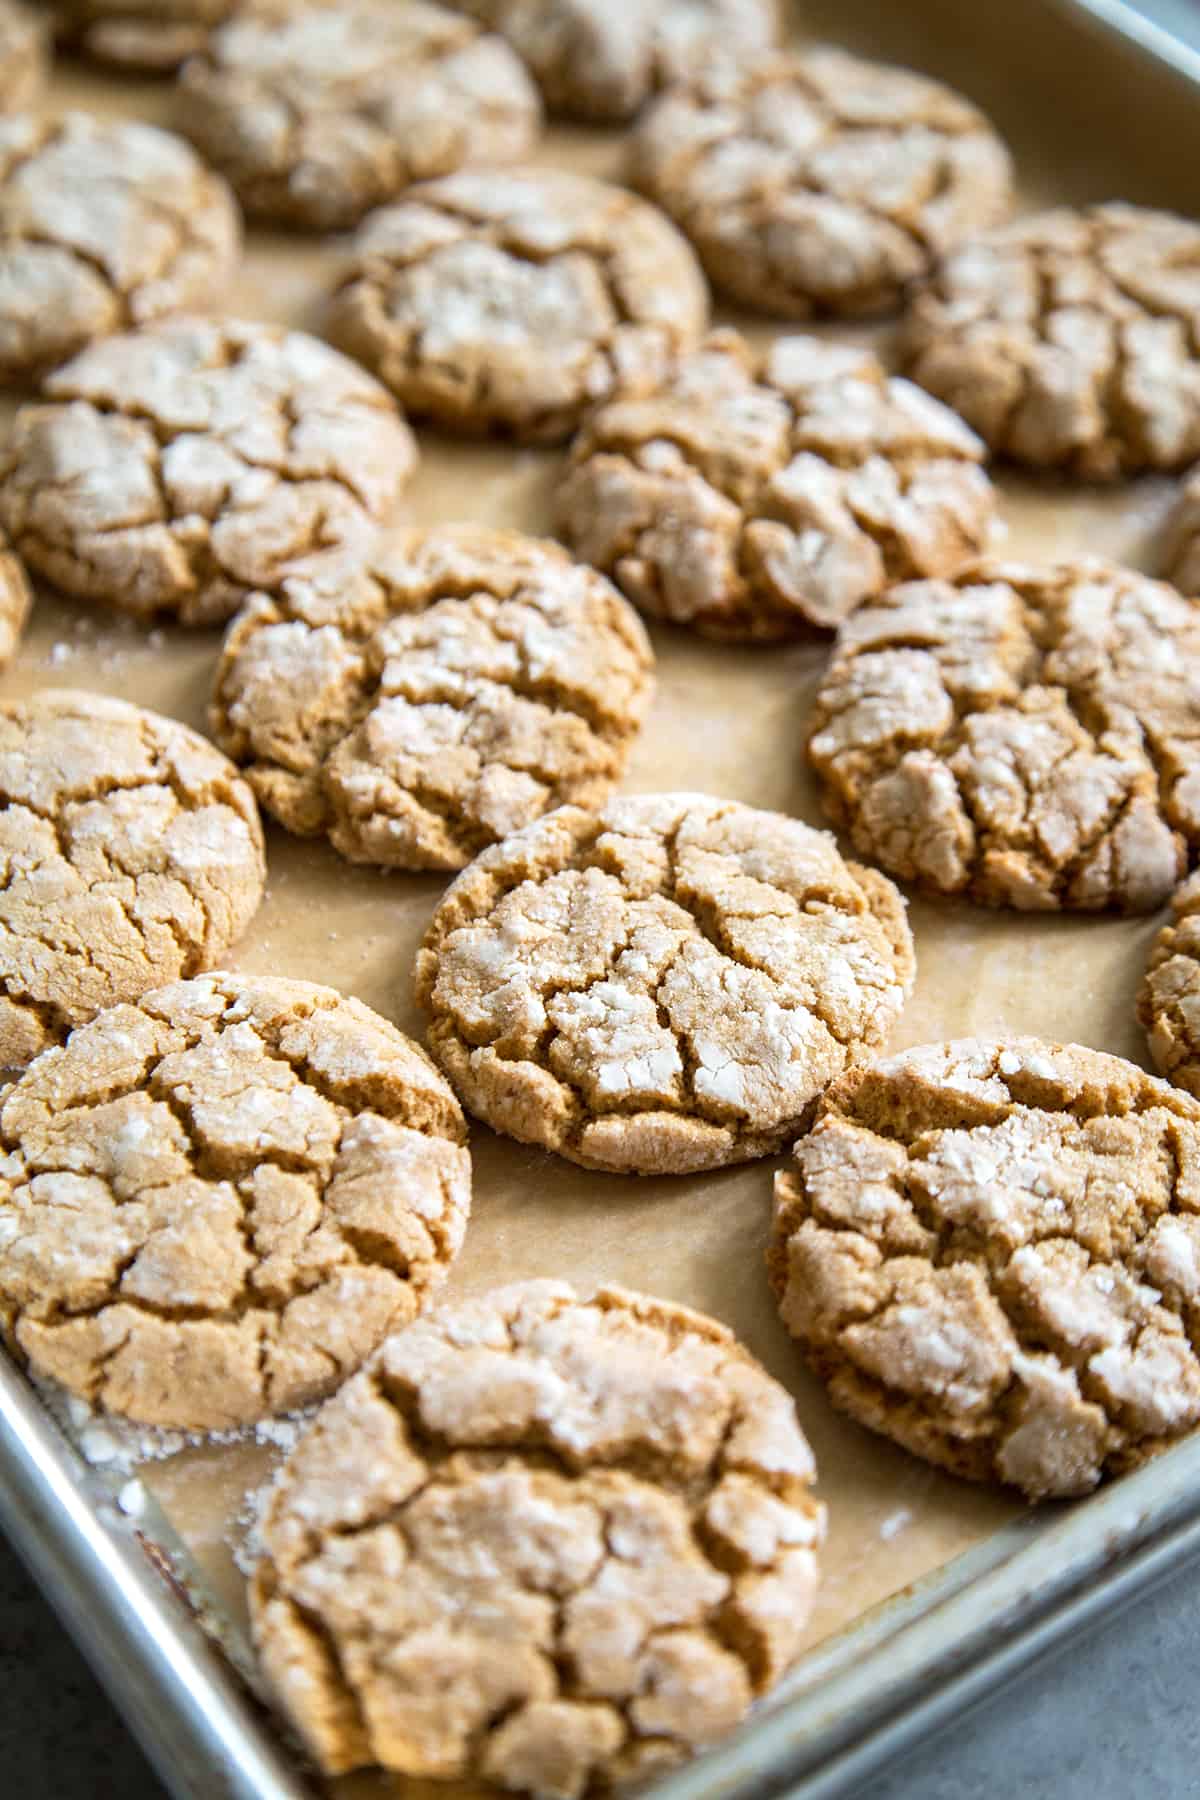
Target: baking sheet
731, 722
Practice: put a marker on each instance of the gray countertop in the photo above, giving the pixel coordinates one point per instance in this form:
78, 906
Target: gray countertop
1114, 1716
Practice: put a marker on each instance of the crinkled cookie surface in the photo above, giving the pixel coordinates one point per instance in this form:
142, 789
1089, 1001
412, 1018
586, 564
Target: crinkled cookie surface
990, 1251
23, 55
419, 703
104, 225
175, 469
508, 300
15, 602
548, 1542
152, 36
1070, 340
319, 112
663, 986
600, 60
1168, 1002
758, 496
814, 182
215, 1203
1022, 736
131, 855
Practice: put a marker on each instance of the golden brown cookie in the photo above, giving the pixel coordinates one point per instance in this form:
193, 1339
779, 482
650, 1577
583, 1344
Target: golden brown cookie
420, 702
813, 182
132, 855
104, 225
550, 1543
24, 53
1168, 1002
318, 112
990, 1252
756, 496
15, 602
216, 1202
1021, 736
150, 36
174, 470
509, 300
1069, 340
600, 60
663, 986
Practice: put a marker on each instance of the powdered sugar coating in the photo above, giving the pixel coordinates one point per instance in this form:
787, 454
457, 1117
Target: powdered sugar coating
988, 1250
525, 1485
316, 113
216, 1202
177, 468
104, 224
15, 602
23, 56
814, 182
421, 701
1168, 1002
1070, 340
662, 986
1023, 736
757, 496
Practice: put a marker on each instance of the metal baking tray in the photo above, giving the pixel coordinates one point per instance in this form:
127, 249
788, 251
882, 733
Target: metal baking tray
1100, 100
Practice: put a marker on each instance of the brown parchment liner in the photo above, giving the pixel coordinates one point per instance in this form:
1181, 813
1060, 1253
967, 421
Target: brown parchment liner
1087, 123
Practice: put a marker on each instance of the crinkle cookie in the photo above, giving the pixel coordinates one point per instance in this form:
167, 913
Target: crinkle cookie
990, 1252
1183, 538
757, 496
15, 602
1168, 1002
1070, 340
318, 112
175, 469
104, 224
663, 986
215, 1203
131, 855
812, 182
23, 56
421, 702
509, 300
550, 1543
1025, 737
153, 36
600, 60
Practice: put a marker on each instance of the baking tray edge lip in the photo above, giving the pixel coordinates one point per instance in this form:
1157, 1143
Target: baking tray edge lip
1140, 31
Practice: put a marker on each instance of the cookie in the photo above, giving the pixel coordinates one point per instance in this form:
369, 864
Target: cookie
216, 1202
663, 986
549, 1543
756, 496
175, 469
600, 60
417, 705
104, 225
132, 855
1069, 341
23, 56
1183, 538
813, 182
15, 603
509, 300
1168, 1003
149, 36
990, 1252
318, 112
1021, 736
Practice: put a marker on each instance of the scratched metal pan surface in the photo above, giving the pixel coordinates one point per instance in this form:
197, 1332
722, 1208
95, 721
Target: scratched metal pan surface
933, 1590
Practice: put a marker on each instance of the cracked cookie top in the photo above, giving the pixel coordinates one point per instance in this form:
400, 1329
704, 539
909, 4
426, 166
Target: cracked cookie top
813, 182
756, 496
23, 56
990, 1251
548, 1542
152, 36
216, 1202
1168, 1004
1070, 340
178, 468
600, 60
1025, 737
15, 602
419, 702
131, 855
104, 224
663, 986
509, 300
318, 112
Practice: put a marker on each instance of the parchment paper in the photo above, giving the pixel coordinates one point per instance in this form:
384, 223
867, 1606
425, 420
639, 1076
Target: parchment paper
1086, 124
